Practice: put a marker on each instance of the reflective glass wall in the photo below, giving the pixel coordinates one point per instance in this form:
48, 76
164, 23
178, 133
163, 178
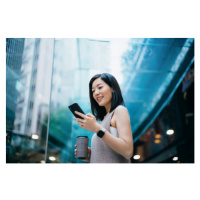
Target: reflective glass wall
75, 62
45, 76
28, 85
170, 137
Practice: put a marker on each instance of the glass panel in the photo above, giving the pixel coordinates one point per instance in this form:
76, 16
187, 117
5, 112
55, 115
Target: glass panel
144, 67
173, 129
66, 89
28, 81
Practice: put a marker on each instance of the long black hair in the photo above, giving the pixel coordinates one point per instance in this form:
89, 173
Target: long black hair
99, 111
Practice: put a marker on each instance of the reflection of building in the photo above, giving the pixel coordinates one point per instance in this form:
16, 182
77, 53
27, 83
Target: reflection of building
72, 60
65, 63
28, 83
93, 56
14, 52
23, 86
34, 85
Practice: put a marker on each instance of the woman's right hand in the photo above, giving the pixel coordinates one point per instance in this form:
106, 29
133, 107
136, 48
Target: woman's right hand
89, 152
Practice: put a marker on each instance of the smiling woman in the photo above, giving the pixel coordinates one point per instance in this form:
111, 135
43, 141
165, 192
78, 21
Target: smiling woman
112, 141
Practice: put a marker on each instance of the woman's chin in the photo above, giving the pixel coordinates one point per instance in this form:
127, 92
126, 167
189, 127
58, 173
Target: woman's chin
101, 104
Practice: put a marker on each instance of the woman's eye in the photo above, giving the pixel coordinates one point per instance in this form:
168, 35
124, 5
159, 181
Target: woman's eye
98, 88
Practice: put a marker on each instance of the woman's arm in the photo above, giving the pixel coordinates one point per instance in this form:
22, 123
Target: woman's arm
124, 143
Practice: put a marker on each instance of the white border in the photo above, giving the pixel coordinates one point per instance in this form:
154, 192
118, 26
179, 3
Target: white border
114, 19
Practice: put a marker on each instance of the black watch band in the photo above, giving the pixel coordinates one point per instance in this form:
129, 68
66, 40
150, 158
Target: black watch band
101, 132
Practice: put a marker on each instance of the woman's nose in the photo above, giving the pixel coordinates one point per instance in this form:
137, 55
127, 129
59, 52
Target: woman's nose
96, 93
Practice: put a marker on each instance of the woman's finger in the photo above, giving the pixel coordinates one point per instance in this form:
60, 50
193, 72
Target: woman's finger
90, 115
79, 123
79, 120
80, 114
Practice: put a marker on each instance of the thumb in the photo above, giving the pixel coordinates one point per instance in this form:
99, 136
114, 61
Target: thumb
90, 115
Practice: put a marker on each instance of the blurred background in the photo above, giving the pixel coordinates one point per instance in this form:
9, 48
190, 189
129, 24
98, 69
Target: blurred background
45, 76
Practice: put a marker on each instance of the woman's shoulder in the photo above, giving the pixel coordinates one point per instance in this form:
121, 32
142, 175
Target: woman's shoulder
119, 113
121, 110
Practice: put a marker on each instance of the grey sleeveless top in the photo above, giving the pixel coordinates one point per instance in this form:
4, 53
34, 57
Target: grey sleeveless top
100, 152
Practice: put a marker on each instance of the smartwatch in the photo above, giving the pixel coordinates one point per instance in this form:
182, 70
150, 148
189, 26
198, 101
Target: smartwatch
101, 132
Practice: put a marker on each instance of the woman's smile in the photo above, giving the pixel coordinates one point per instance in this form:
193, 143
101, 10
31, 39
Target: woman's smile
99, 98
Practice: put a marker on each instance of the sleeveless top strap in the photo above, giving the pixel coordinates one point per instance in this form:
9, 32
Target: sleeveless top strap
106, 121
109, 119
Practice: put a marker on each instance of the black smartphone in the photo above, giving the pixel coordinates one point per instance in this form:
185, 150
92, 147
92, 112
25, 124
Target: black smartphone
75, 107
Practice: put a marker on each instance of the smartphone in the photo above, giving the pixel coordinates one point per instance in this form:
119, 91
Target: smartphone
75, 107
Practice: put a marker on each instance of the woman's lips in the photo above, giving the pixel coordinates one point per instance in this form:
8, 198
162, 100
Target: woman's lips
99, 99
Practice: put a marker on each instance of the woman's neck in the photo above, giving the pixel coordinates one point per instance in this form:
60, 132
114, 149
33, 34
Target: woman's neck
107, 107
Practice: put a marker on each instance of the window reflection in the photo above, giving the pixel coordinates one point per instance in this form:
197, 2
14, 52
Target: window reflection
28, 81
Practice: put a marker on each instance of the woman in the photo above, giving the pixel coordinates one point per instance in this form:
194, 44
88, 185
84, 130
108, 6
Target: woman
112, 141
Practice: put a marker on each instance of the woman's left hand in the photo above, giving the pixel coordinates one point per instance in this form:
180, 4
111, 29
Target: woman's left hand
88, 122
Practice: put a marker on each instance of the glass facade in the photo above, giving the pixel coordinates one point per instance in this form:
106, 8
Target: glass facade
171, 134
28, 86
45, 76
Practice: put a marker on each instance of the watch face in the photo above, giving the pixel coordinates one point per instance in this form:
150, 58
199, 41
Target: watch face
100, 134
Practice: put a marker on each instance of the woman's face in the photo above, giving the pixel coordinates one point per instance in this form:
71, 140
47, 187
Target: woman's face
102, 93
